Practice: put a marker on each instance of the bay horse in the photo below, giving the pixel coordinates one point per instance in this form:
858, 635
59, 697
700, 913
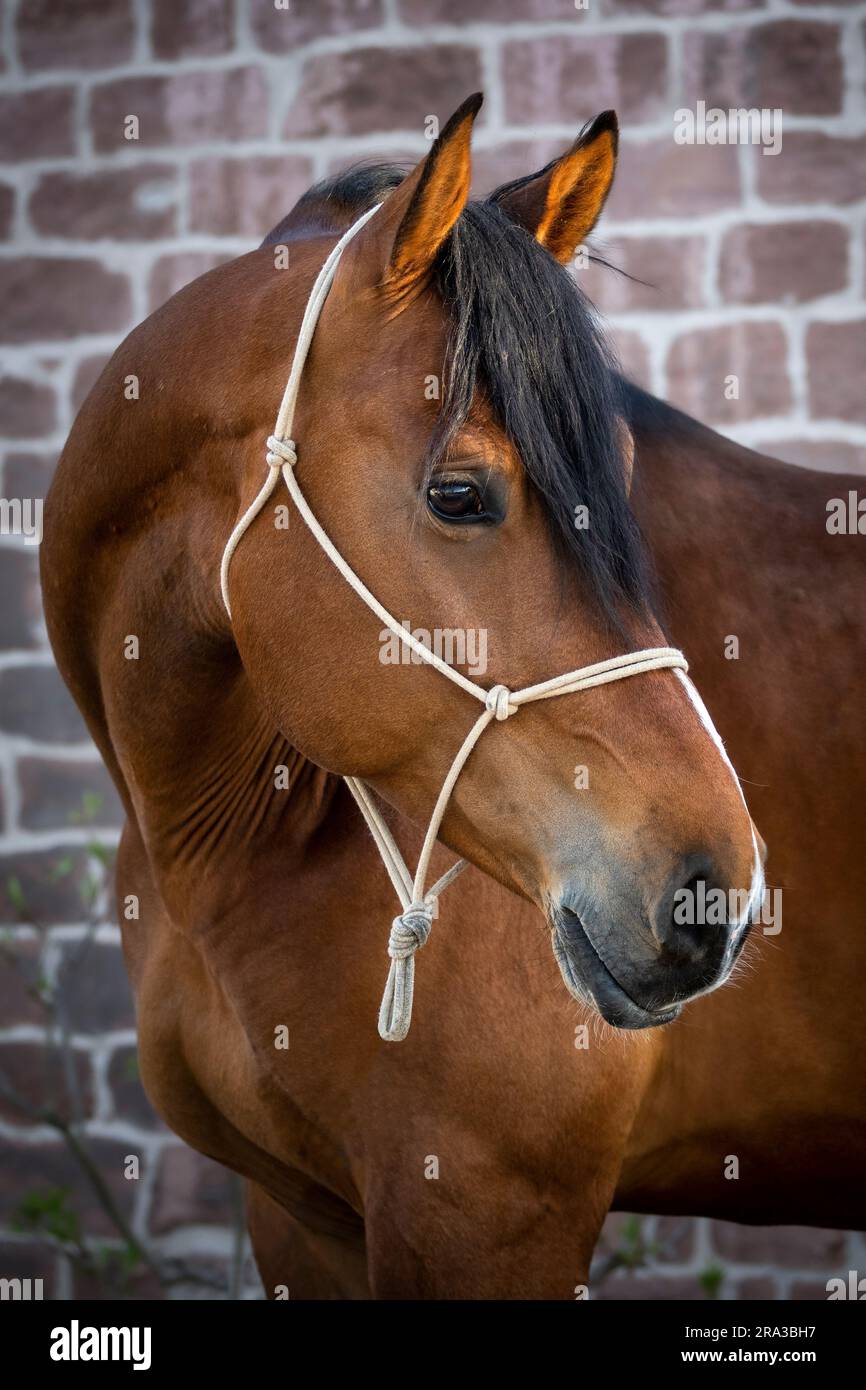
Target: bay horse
458, 412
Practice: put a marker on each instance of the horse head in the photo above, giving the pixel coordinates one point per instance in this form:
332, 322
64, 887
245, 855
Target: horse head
461, 439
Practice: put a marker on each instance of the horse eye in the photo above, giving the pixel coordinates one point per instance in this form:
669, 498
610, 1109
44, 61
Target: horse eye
456, 501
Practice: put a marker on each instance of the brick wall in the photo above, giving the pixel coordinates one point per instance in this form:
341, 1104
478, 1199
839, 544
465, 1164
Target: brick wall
754, 265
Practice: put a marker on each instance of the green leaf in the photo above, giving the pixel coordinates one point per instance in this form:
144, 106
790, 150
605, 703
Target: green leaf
631, 1230
47, 1210
15, 894
91, 805
711, 1280
89, 890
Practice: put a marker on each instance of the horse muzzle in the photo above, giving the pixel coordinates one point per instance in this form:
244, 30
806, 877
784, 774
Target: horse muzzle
590, 981
641, 979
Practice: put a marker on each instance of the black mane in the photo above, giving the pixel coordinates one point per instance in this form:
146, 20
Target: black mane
526, 337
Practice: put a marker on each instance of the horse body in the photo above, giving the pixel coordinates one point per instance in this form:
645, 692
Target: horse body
770, 1068
480, 1157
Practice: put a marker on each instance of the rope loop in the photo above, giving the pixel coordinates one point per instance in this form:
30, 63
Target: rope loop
409, 931
281, 452
498, 701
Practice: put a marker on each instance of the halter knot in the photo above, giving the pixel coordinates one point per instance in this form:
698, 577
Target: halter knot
498, 701
281, 452
409, 931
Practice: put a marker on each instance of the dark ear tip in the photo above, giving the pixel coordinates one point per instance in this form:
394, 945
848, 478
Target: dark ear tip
607, 121
466, 111
468, 108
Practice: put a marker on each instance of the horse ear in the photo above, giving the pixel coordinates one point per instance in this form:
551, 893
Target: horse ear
421, 211
561, 204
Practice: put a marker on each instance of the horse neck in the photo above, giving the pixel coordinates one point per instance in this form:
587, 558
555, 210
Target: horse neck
736, 536
135, 522
706, 505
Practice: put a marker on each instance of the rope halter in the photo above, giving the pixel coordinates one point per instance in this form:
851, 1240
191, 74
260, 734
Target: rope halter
411, 929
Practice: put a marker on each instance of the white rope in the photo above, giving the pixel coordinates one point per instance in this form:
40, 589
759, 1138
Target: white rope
409, 930
281, 449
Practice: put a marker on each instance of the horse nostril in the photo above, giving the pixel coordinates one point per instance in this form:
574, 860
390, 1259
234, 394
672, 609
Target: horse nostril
696, 886
690, 917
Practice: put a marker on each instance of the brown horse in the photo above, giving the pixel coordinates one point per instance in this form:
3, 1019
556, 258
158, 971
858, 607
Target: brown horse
479, 1157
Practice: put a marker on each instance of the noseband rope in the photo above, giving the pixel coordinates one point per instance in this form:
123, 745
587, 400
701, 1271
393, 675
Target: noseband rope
411, 928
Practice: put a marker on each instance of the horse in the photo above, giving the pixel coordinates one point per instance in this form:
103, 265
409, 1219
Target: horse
464, 438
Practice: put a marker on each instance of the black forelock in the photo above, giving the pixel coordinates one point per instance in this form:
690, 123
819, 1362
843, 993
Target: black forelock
525, 336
